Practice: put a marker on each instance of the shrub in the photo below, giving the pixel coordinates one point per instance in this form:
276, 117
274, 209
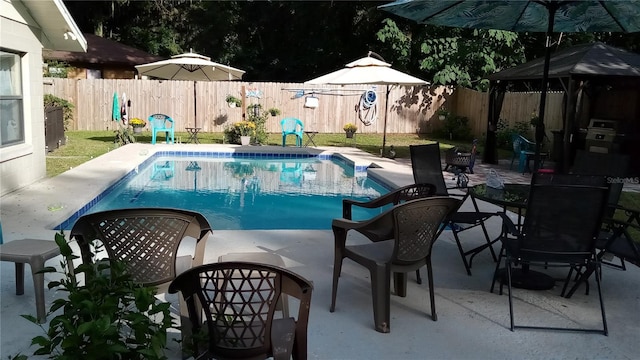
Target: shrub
504, 133
455, 128
67, 108
123, 136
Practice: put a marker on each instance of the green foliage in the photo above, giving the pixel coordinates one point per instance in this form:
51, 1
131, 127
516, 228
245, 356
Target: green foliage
465, 57
260, 136
522, 128
67, 108
124, 136
233, 100
399, 42
274, 111
455, 128
107, 316
255, 127
504, 133
56, 69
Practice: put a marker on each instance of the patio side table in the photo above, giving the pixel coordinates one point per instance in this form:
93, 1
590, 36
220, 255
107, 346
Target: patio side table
193, 134
35, 253
310, 136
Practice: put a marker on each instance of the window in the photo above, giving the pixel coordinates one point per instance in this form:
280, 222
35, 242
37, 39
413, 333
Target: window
94, 74
11, 116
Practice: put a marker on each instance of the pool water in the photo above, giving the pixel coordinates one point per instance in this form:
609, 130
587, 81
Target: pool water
246, 193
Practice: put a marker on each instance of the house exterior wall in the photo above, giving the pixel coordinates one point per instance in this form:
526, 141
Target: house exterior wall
25, 163
79, 73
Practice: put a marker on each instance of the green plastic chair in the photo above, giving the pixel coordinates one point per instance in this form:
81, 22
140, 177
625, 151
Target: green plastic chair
292, 126
161, 123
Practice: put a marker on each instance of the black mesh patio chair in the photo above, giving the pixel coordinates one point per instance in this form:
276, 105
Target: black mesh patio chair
614, 237
146, 240
560, 229
618, 239
427, 168
414, 225
384, 231
231, 308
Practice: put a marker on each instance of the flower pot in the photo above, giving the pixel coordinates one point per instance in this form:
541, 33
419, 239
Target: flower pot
137, 130
231, 104
245, 140
442, 117
350, 134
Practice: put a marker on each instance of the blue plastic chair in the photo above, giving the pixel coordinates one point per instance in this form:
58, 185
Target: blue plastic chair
292, 126
524, 150
162, 123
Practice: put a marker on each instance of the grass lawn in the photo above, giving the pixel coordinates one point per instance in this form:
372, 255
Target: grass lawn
84, 145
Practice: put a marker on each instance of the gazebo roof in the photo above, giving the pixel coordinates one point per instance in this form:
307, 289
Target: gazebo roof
594, 59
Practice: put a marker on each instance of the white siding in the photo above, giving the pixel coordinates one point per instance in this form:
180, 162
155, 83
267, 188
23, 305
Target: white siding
24, 164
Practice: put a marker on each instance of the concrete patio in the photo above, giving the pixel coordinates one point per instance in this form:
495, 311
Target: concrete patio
472, 322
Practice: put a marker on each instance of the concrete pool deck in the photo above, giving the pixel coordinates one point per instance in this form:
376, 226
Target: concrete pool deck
472, 322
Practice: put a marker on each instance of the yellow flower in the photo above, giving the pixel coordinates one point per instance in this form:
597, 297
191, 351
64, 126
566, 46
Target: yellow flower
245, 128
350, 127
137, 122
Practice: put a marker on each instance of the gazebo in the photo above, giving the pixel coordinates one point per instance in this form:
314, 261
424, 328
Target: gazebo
599, 82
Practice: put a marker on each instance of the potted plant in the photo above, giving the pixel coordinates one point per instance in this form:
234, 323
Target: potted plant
274, 111
137, 124
534, 119
442, 113
350, 129
233, 101
106, 316
246, 129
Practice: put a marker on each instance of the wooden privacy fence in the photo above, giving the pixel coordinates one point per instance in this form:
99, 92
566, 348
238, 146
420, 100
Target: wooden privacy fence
516, 107
203, 104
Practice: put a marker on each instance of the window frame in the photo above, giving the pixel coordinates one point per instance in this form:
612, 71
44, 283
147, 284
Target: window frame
16, 101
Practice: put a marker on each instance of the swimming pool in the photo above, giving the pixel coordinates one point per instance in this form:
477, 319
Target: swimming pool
242, 191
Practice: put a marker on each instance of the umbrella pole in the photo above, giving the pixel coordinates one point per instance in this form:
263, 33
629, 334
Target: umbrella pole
545, 79
384, 131
195, 106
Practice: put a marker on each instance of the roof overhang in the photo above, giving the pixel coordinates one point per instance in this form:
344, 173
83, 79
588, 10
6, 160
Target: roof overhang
59, 30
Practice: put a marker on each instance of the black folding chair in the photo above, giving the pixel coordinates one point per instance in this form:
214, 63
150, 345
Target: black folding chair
560, 230
427, 168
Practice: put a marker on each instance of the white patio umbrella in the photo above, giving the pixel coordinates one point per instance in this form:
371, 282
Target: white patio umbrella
190, 66
371, 71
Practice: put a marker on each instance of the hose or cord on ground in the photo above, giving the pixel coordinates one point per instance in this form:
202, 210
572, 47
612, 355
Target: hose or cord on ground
367, 108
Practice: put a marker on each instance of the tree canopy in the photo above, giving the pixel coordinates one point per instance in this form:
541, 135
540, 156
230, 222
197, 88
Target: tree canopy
293, 41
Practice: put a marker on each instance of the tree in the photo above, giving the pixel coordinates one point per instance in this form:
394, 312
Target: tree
455, 56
